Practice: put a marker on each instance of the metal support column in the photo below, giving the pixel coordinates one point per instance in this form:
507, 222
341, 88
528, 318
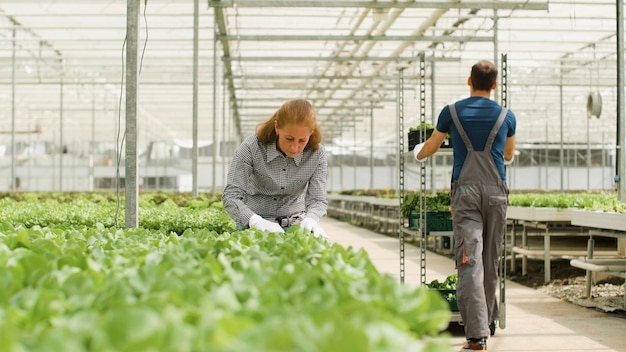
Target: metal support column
562, 124
215, 80
495, 47
130, 175
354, 146
223, 157
433, 119
61, 142
371, 144
422, 102
504, 87
341, 155
621, 124
92, 147
13, 64
401, 167
194, 129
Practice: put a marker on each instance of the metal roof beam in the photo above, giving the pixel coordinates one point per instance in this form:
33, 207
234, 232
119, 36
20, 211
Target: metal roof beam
268, 115
273, 107
338, 59
509, 5
221, 27
365, 100
377, 38
305, 76
304, 86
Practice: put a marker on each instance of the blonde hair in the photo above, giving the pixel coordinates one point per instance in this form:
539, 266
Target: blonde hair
299, 112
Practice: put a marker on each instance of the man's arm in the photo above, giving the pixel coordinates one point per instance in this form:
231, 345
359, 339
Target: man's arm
432, 145
509, 149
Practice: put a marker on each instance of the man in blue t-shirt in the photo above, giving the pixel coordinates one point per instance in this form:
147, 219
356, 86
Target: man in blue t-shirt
483, 140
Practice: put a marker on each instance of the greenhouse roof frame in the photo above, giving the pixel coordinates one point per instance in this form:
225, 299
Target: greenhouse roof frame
62, 64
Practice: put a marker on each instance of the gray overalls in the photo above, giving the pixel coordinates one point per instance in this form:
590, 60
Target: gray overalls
479, 200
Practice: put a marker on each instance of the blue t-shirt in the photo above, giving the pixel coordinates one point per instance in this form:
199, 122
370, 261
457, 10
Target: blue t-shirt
477, 116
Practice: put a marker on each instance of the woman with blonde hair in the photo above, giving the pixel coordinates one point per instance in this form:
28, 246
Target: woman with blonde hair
278, 176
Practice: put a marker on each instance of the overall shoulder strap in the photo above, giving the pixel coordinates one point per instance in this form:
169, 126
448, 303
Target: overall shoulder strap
457, 123
496, 128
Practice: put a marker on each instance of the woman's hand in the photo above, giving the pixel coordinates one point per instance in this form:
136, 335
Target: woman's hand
313, 227
257, 222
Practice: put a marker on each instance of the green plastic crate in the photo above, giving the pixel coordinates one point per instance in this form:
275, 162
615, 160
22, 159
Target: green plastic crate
435, 221
450, 297
415, 139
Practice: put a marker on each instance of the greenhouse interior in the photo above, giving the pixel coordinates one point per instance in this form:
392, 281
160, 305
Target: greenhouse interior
209, 76
121, 121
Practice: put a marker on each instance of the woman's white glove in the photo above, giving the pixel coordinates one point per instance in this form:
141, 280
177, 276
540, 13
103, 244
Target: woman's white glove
312, 226
417, 150
257, 222
509, 162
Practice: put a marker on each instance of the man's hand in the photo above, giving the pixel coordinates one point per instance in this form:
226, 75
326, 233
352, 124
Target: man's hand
312, 226
416, 151
509, 162
257, 222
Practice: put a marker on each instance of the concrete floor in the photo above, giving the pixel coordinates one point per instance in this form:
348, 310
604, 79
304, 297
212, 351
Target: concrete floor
534, 320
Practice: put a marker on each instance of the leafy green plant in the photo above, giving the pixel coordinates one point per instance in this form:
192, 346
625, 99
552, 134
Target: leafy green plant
156, 211
607, 202
422, 126
449, 283
429, 127
109, 289
447, 289
438, 202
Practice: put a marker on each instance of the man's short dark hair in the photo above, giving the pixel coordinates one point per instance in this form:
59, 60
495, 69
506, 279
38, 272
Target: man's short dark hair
484, 74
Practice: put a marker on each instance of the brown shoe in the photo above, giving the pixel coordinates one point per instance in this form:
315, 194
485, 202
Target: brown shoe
475, 345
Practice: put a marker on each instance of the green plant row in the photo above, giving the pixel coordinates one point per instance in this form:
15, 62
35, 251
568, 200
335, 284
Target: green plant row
378, 193
94, 287
434, 203
137, 290
145, 198
606, 202
156, 211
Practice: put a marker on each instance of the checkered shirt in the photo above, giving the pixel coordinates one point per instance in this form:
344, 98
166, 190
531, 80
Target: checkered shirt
263, 181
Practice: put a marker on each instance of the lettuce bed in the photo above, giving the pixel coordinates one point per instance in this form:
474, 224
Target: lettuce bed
181, 284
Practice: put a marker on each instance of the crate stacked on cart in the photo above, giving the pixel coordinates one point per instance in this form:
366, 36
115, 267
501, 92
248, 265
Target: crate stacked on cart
447, 290
437, 215
435, 221
415, 136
